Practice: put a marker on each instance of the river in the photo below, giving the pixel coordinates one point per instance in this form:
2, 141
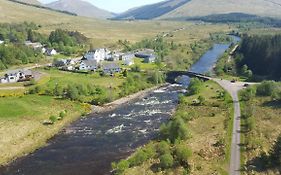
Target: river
89, 145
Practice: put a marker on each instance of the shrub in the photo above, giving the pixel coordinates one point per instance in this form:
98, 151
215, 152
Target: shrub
267, 88
62, 114
120, 167
53, 118
182, 153
163, 147
194, 86
248, 93
166, 161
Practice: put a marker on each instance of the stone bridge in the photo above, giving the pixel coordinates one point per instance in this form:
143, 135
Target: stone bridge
172, 75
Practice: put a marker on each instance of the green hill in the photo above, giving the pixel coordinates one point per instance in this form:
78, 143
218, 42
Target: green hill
180, 9
101, 32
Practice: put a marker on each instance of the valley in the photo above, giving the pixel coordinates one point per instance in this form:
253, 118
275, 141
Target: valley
87, 91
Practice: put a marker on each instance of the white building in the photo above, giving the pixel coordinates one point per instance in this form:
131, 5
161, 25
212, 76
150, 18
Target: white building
89, 65
1, 42
16, 76
51, 52
98, 55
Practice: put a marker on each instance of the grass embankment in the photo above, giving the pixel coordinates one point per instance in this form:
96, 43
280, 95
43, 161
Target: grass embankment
209, 125
21, 123
261, 125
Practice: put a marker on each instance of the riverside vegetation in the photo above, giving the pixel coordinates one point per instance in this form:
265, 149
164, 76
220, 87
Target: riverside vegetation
261, 109
193, 141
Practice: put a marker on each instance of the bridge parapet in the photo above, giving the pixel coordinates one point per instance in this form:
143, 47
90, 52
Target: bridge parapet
172, 75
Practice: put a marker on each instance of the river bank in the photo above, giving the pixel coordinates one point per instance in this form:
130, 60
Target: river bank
29, 135
113, 105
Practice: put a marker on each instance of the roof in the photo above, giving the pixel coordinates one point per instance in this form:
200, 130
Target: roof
26, 72
146, 53
90, 62
111, 66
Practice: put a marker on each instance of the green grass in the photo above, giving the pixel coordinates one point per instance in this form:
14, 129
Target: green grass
21, 123
31, 106
144, 66
65, 78
267, 127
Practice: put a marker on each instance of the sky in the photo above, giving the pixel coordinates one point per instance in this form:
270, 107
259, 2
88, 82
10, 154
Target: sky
116, 6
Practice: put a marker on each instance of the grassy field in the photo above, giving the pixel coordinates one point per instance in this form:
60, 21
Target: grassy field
64, 78
267, 127
21, 123
104, 32
210, 129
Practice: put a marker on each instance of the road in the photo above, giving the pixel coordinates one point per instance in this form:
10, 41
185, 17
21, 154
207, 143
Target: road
233, 89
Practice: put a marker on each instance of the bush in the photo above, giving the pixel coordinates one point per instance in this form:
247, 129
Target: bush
163, 147
267, 88
248, 94
166, 161
139, 157
120, 167
176, 129
53, 118
194, 86
62, 114
182, 153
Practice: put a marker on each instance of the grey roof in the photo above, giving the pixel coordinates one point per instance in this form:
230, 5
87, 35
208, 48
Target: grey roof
90, 62
26, 72
111, 66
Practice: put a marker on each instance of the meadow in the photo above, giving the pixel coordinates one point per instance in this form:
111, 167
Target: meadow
265, 130
21, 122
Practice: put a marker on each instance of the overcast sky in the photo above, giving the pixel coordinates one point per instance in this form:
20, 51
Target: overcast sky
115, 5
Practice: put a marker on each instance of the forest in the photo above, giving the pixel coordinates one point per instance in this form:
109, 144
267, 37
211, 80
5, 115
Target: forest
261, 55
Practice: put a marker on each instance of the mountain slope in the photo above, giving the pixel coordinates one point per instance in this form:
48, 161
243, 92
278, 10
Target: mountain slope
80, 8
175, 9
153, 10
35, 2
269, 8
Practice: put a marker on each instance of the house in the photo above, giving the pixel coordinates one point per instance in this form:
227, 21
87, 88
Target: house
51, 52
1, 42
89, 65
35, 45
147, 54
60, 63
17, 76
111, 68
127, 56
150, 59
116, 56
129, 62
43, 50
97, 55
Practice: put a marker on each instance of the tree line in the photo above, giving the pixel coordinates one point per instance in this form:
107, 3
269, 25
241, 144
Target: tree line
261, 55
14, 51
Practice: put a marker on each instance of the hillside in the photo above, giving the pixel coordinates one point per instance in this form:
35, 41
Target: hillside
269, 8
81, 8
181, 9
153, 10
35, 2
101, 32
